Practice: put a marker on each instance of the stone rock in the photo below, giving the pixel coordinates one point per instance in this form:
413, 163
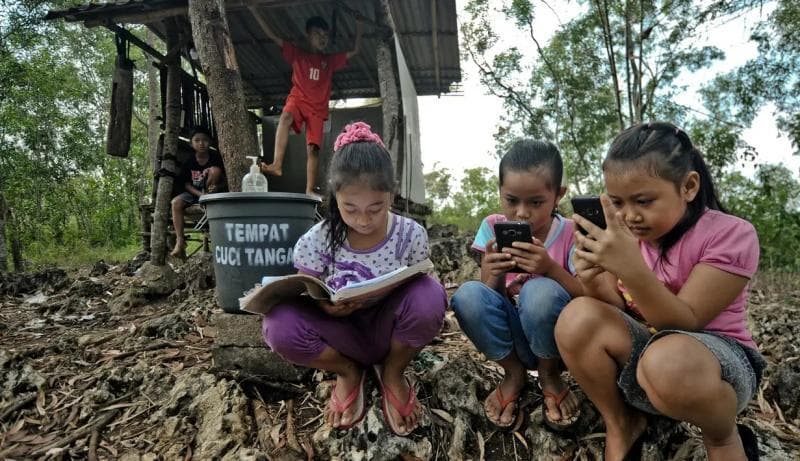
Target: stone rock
786, 386
46, 280
170, 326
198, 272
370, 440
85, 287
155, 281
437, 231
123, 302
239, 346
99, 268
455, 262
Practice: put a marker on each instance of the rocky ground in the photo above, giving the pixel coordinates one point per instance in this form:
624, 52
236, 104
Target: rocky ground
116, 363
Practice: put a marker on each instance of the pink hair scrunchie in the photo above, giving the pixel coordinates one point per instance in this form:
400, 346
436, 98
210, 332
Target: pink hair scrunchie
356, 132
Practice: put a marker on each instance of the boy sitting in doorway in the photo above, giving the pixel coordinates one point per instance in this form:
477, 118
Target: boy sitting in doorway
202, 173
312, 74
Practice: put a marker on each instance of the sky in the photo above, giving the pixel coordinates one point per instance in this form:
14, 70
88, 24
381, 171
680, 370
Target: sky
457, 131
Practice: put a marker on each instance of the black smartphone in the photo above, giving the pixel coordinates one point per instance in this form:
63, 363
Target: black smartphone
509, 232
590, 208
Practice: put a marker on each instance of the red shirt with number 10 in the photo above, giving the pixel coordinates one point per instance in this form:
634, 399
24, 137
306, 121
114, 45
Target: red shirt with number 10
312, 74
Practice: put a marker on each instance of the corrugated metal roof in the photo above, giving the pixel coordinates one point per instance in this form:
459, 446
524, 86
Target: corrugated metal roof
267, 77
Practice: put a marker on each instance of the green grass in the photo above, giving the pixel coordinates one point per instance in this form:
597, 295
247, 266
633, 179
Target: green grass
78, 255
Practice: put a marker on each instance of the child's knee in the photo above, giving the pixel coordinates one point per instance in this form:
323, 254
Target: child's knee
214, 174
543, 293
466, 301
424, 307
288, 336
577, 321
286, 118
673, 370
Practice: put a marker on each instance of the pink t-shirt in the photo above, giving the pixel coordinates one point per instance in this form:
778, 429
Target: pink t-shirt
718, 240
560, 245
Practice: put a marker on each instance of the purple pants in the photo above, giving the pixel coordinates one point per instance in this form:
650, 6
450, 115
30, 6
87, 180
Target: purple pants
411, 315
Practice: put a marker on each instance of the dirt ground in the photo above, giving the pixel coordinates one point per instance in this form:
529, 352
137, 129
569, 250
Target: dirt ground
95, 366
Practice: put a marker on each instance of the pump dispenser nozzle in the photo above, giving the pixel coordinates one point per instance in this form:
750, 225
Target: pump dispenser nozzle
254, 181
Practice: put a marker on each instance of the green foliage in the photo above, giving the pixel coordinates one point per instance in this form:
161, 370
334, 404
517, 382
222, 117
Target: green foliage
610, 66
772, 203
614, 64
476, 198
773, 76
61, 188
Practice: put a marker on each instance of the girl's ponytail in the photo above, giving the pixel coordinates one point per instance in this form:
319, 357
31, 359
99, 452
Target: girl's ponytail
669, 154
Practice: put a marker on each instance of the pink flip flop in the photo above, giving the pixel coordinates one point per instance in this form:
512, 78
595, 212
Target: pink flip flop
356, 397
388, 398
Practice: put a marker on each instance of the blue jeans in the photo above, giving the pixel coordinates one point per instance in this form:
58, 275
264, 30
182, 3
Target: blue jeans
497, 327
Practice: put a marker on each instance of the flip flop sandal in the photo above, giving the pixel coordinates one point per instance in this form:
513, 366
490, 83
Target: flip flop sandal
504, 402
356, 397
404, 409
561, 424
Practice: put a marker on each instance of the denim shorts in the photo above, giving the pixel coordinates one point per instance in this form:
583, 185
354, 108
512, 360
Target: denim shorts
189, 199
742, 366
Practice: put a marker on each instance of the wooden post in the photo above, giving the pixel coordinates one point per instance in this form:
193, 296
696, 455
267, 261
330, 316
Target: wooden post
235, 133
169, 167
387, 76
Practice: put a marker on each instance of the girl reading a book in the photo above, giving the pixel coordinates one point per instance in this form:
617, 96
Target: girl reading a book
361, 239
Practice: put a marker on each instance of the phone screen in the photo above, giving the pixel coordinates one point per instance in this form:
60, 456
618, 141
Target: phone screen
509, 232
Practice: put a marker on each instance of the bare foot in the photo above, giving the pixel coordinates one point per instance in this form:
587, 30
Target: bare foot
553, 387
314, 195
730, 448
621, 438
504, 413
178, 251
344, 387
399, 386
272, 169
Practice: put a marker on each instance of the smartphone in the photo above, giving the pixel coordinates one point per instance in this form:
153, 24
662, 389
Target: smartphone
590, 208
509, 232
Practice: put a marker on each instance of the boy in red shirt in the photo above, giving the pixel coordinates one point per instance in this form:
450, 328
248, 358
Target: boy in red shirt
312, 74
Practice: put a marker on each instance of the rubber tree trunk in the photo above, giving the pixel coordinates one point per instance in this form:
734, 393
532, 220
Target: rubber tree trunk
235, 128
154, 126
387, 76
168, 169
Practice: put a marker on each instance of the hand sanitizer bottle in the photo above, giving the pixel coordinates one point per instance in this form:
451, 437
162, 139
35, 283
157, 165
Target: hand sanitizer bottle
254, 181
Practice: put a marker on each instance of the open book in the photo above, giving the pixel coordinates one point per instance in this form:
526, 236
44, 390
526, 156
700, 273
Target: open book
274, 290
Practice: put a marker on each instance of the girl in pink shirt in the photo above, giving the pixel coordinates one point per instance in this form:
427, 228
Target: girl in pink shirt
663, 327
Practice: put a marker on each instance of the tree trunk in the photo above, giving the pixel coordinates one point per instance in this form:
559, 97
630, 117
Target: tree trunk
3, 248
16, 245
387, 77
154, 127
212, 39
602, 11
168, 167
630, 60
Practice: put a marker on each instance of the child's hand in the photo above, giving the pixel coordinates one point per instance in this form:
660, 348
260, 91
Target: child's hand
614, 249
494, 262
531, 257
585, 270
341, 309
